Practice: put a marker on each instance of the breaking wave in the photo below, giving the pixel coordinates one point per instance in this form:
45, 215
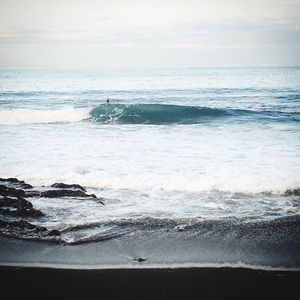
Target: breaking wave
155, 114
168, 114
35, 116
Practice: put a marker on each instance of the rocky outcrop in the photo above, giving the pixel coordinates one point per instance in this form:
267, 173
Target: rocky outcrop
21, 224
55, 193
54, 232
14, 207
65, 193
25, 230
14, 182
12, 192
292, 192
12, 203
68, 186
58, 190
18, 207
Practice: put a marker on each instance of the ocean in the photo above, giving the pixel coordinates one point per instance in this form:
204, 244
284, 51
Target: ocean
178, 155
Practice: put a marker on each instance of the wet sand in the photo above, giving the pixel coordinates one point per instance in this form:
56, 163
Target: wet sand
184, 283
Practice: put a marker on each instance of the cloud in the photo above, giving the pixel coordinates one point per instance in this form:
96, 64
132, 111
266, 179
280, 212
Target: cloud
149, 29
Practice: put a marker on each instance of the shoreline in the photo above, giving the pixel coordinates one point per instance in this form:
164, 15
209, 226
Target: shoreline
147, 266
150, 283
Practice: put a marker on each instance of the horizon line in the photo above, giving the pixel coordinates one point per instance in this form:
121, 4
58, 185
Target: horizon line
152, 67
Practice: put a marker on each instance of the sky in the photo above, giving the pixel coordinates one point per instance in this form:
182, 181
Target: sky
156, 33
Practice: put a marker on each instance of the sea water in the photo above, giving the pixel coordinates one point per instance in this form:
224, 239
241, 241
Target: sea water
173, 147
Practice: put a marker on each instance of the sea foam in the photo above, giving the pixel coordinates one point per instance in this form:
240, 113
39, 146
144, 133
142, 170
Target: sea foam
38, 116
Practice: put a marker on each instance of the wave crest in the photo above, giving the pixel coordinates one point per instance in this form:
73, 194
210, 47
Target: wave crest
179, 114
30, 116
155, 114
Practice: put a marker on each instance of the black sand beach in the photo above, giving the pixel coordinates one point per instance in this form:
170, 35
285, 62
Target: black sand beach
185, 283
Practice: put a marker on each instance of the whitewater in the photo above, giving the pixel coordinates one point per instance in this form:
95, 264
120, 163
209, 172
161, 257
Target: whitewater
185, 130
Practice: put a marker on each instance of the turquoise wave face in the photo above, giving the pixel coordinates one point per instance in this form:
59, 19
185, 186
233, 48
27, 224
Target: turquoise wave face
179, 114
154, 114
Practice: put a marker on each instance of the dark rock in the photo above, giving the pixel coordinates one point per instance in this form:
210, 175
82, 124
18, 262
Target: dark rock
12, 192
65, 190
2, 223
31, 213
292, 192
65, 193
68, 186
18, 206
25, 230
13, 180
26, 213
54, 232
12, 202
16, 183
7, 211
40, 229
15, 202
21, 224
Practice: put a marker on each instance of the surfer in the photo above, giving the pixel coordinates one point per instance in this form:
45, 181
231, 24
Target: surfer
107, 100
